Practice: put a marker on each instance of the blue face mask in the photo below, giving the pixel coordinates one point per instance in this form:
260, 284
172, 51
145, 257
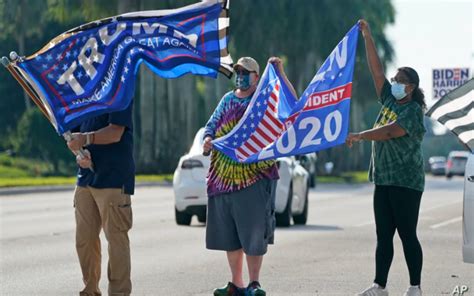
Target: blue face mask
398, 91
242, 81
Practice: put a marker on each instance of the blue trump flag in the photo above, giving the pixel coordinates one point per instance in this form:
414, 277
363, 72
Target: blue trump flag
276, 125
91, 69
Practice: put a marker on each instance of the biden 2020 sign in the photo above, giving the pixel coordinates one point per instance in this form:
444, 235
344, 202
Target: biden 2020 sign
275, 124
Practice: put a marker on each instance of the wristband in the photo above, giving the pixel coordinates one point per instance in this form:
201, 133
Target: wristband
90, 137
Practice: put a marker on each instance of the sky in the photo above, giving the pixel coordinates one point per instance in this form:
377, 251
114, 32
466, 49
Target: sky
431, 34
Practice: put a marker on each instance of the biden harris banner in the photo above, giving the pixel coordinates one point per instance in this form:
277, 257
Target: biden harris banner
445, 80
91, 69
275, 124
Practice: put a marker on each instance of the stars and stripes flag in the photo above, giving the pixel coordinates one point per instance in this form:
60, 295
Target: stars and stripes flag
455, 110
264, 123
91, 69
263, 120
275, 124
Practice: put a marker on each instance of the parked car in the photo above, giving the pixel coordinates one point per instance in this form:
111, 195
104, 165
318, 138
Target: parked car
308, 161
456, 163
437, 165
189, 185
468, 212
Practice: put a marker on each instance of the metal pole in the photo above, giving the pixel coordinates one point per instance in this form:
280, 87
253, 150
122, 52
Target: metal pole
81, 152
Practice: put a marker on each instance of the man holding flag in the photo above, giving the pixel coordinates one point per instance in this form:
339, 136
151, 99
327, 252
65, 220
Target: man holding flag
85, 78
241, 218
251, 127
102, 199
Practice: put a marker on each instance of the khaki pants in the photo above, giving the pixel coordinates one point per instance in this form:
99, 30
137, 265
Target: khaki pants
107, 209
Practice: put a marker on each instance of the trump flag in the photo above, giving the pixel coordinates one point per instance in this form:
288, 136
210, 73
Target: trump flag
91, 69
276, 125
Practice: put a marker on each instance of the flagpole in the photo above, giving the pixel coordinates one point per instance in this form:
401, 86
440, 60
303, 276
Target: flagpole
8, 63
81, 152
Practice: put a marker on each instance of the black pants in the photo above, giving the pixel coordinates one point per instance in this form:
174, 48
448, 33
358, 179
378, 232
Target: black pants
397, 208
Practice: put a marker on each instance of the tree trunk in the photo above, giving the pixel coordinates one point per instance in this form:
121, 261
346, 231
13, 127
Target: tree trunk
147, 119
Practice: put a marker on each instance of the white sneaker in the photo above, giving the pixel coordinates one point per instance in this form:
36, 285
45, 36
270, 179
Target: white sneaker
374, 290
413, 291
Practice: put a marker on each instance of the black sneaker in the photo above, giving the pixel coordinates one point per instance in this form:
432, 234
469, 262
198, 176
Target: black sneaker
255, 289
229, 290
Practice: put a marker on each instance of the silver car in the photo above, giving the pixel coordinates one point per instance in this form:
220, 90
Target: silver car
456, 163
437, 165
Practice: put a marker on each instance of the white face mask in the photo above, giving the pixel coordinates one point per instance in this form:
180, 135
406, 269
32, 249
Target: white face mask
398, 91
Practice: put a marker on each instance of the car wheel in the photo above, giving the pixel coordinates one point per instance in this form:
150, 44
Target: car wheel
449, 176
284, 219
303, 217
182, 218
202, 218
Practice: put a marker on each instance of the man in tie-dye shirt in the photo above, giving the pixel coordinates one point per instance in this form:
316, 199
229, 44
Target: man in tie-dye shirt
240, 211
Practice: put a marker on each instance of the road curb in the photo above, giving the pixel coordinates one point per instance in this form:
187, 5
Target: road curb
59, 188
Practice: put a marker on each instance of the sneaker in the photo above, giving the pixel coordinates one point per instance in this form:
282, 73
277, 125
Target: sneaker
229, 290
255, 289
374, 290
413, 291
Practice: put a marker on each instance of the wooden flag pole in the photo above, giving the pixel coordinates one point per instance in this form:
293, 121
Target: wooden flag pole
6, 62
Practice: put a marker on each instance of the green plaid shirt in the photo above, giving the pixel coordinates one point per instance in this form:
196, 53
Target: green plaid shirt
399, 161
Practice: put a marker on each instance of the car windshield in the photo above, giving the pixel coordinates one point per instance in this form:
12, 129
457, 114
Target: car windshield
437, 159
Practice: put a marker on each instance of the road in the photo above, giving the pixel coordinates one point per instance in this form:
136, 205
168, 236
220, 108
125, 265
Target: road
332, 255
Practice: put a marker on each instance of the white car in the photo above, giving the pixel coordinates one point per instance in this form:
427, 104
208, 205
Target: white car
308, 161
468, 212
189, 185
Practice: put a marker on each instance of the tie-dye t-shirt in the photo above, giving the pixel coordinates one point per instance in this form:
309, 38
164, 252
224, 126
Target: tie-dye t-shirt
399, 161
226, 175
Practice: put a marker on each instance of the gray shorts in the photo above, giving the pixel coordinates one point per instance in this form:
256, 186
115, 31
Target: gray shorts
244, 219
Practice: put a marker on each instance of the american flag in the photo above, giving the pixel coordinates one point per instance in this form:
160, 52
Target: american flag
263, 121
455, 111
262, 125
277, 124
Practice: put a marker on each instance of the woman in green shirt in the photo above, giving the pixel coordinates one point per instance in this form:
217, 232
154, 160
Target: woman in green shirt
396, 167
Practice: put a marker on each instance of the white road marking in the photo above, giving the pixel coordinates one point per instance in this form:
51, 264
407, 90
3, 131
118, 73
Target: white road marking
450, 221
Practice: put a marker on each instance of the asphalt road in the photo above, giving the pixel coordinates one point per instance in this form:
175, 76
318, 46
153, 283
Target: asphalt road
332, 255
